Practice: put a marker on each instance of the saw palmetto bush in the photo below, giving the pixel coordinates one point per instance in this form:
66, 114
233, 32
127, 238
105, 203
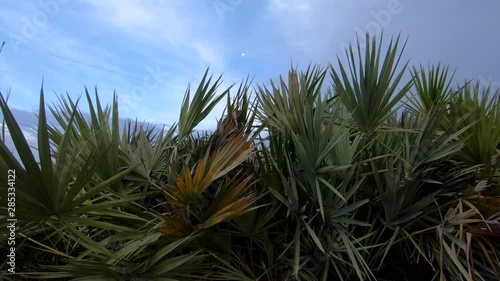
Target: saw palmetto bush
59, 212
354, 171
414, 167
87, 215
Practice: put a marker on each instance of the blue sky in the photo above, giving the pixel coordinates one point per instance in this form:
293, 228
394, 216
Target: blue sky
151, 50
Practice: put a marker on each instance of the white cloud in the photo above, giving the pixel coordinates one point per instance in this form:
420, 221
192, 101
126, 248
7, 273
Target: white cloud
303, 7
316, 29
153, 21
176, 27
138, 18
309, 27
210, 54
290, 5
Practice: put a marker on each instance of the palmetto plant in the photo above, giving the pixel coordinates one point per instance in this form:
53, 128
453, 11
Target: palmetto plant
61, 209
314, 186
370, 86
67, 200
198, 200
432, 88
99, 133
482, 107
348, 172
406, 157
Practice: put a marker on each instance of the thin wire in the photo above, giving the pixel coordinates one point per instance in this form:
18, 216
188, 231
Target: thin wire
72, 60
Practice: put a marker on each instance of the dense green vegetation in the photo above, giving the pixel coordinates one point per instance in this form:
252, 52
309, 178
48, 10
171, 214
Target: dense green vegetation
344, 172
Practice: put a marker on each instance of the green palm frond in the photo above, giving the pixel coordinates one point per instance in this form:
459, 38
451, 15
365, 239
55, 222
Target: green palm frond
432, 88
97, 133
481, 106
370, 86
204, 100
52, 198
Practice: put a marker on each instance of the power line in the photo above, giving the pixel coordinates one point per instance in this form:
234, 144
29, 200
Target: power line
72, 60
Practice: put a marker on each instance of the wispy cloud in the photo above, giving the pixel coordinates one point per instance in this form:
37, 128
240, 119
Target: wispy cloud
210, 54
174, 26
153, 21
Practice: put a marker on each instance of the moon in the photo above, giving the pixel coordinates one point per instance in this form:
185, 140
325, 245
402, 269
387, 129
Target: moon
243, 54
